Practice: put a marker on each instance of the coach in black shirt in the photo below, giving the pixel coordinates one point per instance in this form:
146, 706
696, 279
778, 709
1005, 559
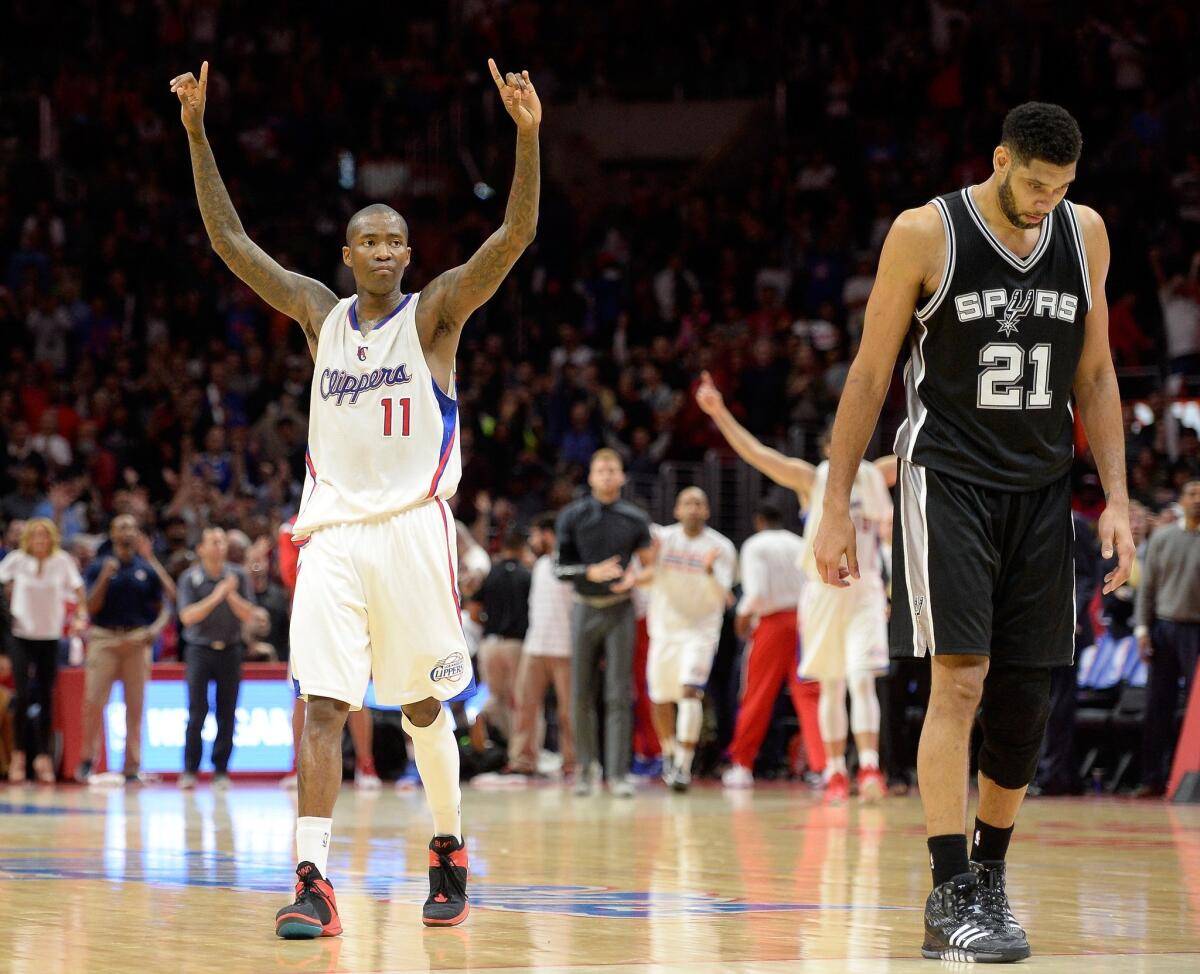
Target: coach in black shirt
598, 537
214, 600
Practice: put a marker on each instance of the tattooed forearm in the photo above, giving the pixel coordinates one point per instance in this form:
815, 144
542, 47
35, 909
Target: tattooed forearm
460, 291
296, 296
521, 215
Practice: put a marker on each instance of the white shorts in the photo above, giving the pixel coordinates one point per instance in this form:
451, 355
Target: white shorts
842, 630
682, 659
381, 597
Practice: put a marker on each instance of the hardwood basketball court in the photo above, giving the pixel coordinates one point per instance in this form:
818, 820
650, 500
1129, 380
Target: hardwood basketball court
154, 880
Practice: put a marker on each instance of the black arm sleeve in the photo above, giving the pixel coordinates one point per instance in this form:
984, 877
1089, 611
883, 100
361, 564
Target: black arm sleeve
568, 562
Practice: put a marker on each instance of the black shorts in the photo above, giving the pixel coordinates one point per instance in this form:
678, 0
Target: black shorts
982, 571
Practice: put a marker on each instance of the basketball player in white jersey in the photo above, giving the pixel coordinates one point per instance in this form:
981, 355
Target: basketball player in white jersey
689, 585
376, 589
843, 638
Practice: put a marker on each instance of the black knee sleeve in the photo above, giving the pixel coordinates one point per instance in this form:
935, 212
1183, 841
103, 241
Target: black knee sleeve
1016, 705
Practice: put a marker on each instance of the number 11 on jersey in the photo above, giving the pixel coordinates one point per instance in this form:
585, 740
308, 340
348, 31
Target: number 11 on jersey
387, 416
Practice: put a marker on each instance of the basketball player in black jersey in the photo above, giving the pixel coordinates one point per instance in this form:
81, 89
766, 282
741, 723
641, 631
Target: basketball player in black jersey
999, 289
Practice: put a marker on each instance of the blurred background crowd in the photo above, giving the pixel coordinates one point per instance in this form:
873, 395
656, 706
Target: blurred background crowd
140, 377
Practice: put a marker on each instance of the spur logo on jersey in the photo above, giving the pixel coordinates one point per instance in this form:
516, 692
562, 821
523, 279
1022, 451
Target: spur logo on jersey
1009, 309
336, 384
451, 668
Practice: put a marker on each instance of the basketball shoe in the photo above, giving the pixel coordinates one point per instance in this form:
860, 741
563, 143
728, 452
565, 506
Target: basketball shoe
314, 914
994, 896
447, 905
871, 786
837, 788
959, 928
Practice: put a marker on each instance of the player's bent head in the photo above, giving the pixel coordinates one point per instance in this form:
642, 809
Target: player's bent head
377, 248
1035, 162
1040, 131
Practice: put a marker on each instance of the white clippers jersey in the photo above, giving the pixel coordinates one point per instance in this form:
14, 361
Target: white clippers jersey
683, 595
870, 504
382, 437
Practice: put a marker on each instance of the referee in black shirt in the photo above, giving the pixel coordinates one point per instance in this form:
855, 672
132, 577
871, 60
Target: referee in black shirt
597, 539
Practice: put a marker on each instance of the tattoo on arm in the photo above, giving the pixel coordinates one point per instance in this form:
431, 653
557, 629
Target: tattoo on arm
295, 295
461, 290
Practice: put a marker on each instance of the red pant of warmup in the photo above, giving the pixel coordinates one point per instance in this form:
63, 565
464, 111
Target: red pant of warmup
772, 659
645, 740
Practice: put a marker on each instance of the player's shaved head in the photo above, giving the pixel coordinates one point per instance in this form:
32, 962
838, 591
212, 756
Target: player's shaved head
372, 211
689, 492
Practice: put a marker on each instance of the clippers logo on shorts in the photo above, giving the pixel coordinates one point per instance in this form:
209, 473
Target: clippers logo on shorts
451, 668
1009, 309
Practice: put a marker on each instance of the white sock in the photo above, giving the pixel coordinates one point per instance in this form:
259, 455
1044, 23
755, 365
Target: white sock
868, 759
436, 753
669, 748
835, 766
312, 841
688, 718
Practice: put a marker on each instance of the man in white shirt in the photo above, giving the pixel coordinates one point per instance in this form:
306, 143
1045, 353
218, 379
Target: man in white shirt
689, 583
546, 658
772, 584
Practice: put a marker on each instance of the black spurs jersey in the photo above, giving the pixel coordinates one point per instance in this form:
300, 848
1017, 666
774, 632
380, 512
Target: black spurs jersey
992, 353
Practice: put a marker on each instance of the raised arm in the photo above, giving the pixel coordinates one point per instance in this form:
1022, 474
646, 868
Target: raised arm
911, 263
786, 471
297, 296
448, 300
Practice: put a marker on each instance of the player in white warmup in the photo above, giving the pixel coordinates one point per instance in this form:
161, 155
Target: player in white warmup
689, 585
376, 590
843, 632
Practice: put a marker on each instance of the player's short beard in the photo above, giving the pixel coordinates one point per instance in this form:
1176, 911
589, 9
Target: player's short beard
1008, 205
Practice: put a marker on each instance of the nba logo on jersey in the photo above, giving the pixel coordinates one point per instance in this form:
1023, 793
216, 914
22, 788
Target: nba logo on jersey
362, 353
450, 668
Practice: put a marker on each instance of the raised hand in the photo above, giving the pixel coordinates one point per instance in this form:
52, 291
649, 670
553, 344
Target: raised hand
520, 98
192, 95
708, 396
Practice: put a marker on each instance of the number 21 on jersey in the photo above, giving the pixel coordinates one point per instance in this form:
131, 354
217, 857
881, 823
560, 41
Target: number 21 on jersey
403, 405
1005, 364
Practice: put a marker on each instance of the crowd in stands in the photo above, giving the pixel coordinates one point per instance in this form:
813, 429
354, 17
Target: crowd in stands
137, 376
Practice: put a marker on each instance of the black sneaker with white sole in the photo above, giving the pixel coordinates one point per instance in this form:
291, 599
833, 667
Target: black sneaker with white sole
994, 896
958, 928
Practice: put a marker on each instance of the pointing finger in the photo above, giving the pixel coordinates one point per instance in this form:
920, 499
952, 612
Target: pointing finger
495, 73
203, 77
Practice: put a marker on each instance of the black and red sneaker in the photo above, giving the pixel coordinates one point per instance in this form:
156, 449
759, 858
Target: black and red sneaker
314, 914
447, 905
